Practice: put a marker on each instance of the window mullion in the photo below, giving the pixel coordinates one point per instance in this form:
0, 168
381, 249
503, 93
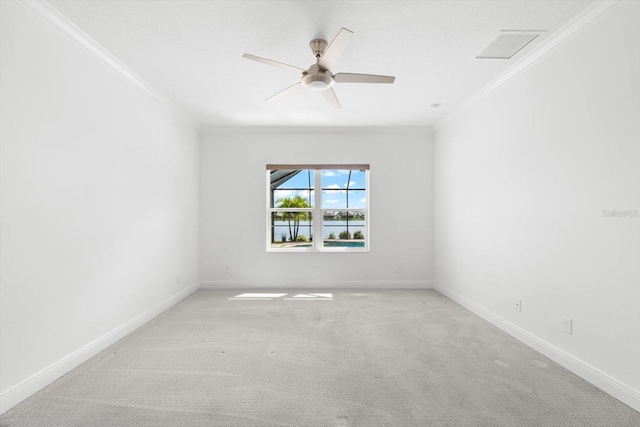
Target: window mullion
318, 237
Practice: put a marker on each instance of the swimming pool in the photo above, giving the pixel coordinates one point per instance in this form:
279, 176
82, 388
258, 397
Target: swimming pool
344, 244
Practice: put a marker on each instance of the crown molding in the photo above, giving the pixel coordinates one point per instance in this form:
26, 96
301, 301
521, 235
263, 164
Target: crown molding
584, 19
57, 20
311, 130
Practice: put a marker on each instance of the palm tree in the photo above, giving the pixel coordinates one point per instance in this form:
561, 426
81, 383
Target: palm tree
296, 217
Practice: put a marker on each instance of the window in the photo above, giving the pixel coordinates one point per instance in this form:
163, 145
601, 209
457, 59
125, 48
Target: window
297, 213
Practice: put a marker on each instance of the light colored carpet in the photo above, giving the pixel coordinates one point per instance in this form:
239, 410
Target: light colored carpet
364, 358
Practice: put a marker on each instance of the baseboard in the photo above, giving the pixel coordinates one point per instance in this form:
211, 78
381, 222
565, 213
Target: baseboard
51, 373
367, 284
615, 388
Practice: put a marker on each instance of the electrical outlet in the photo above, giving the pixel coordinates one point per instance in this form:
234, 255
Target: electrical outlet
399, 270
226, 269
567, 325
518, 304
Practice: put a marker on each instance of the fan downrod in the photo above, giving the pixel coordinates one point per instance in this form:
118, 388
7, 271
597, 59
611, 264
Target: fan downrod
318, 47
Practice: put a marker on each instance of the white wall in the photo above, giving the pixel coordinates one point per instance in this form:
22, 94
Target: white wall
99, 184
233, 208
521, 179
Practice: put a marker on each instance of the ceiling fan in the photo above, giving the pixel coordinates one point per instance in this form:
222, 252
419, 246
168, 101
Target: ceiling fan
319, 76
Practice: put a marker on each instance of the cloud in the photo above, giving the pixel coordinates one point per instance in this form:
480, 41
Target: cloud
350, 184
363, 200
334, 189
332, 201
305, 193
279, 194
330, 173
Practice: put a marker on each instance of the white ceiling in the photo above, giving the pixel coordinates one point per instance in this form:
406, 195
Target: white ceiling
191, 51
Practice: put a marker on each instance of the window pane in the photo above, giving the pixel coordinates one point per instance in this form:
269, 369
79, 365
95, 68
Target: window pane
343, 199
343, 229
304, 199
343, 189
292, 188
291, 229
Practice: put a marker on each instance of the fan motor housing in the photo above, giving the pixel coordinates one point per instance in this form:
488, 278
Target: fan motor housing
318, 81
317, 78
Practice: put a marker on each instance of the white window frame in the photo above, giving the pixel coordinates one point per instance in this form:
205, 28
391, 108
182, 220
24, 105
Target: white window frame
317, 245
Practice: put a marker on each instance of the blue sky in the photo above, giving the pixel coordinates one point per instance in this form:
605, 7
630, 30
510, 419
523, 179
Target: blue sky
334, 183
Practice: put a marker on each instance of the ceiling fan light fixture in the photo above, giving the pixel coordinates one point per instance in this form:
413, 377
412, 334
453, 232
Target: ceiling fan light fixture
318, 85
318, 81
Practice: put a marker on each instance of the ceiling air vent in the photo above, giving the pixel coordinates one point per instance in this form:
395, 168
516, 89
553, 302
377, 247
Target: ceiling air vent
507, 44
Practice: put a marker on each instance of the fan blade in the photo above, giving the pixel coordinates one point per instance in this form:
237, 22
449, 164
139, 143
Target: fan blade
362, 78
331, 98
274, 63
335, 48
284, 91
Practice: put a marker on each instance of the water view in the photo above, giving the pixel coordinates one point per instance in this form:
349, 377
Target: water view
281, 229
